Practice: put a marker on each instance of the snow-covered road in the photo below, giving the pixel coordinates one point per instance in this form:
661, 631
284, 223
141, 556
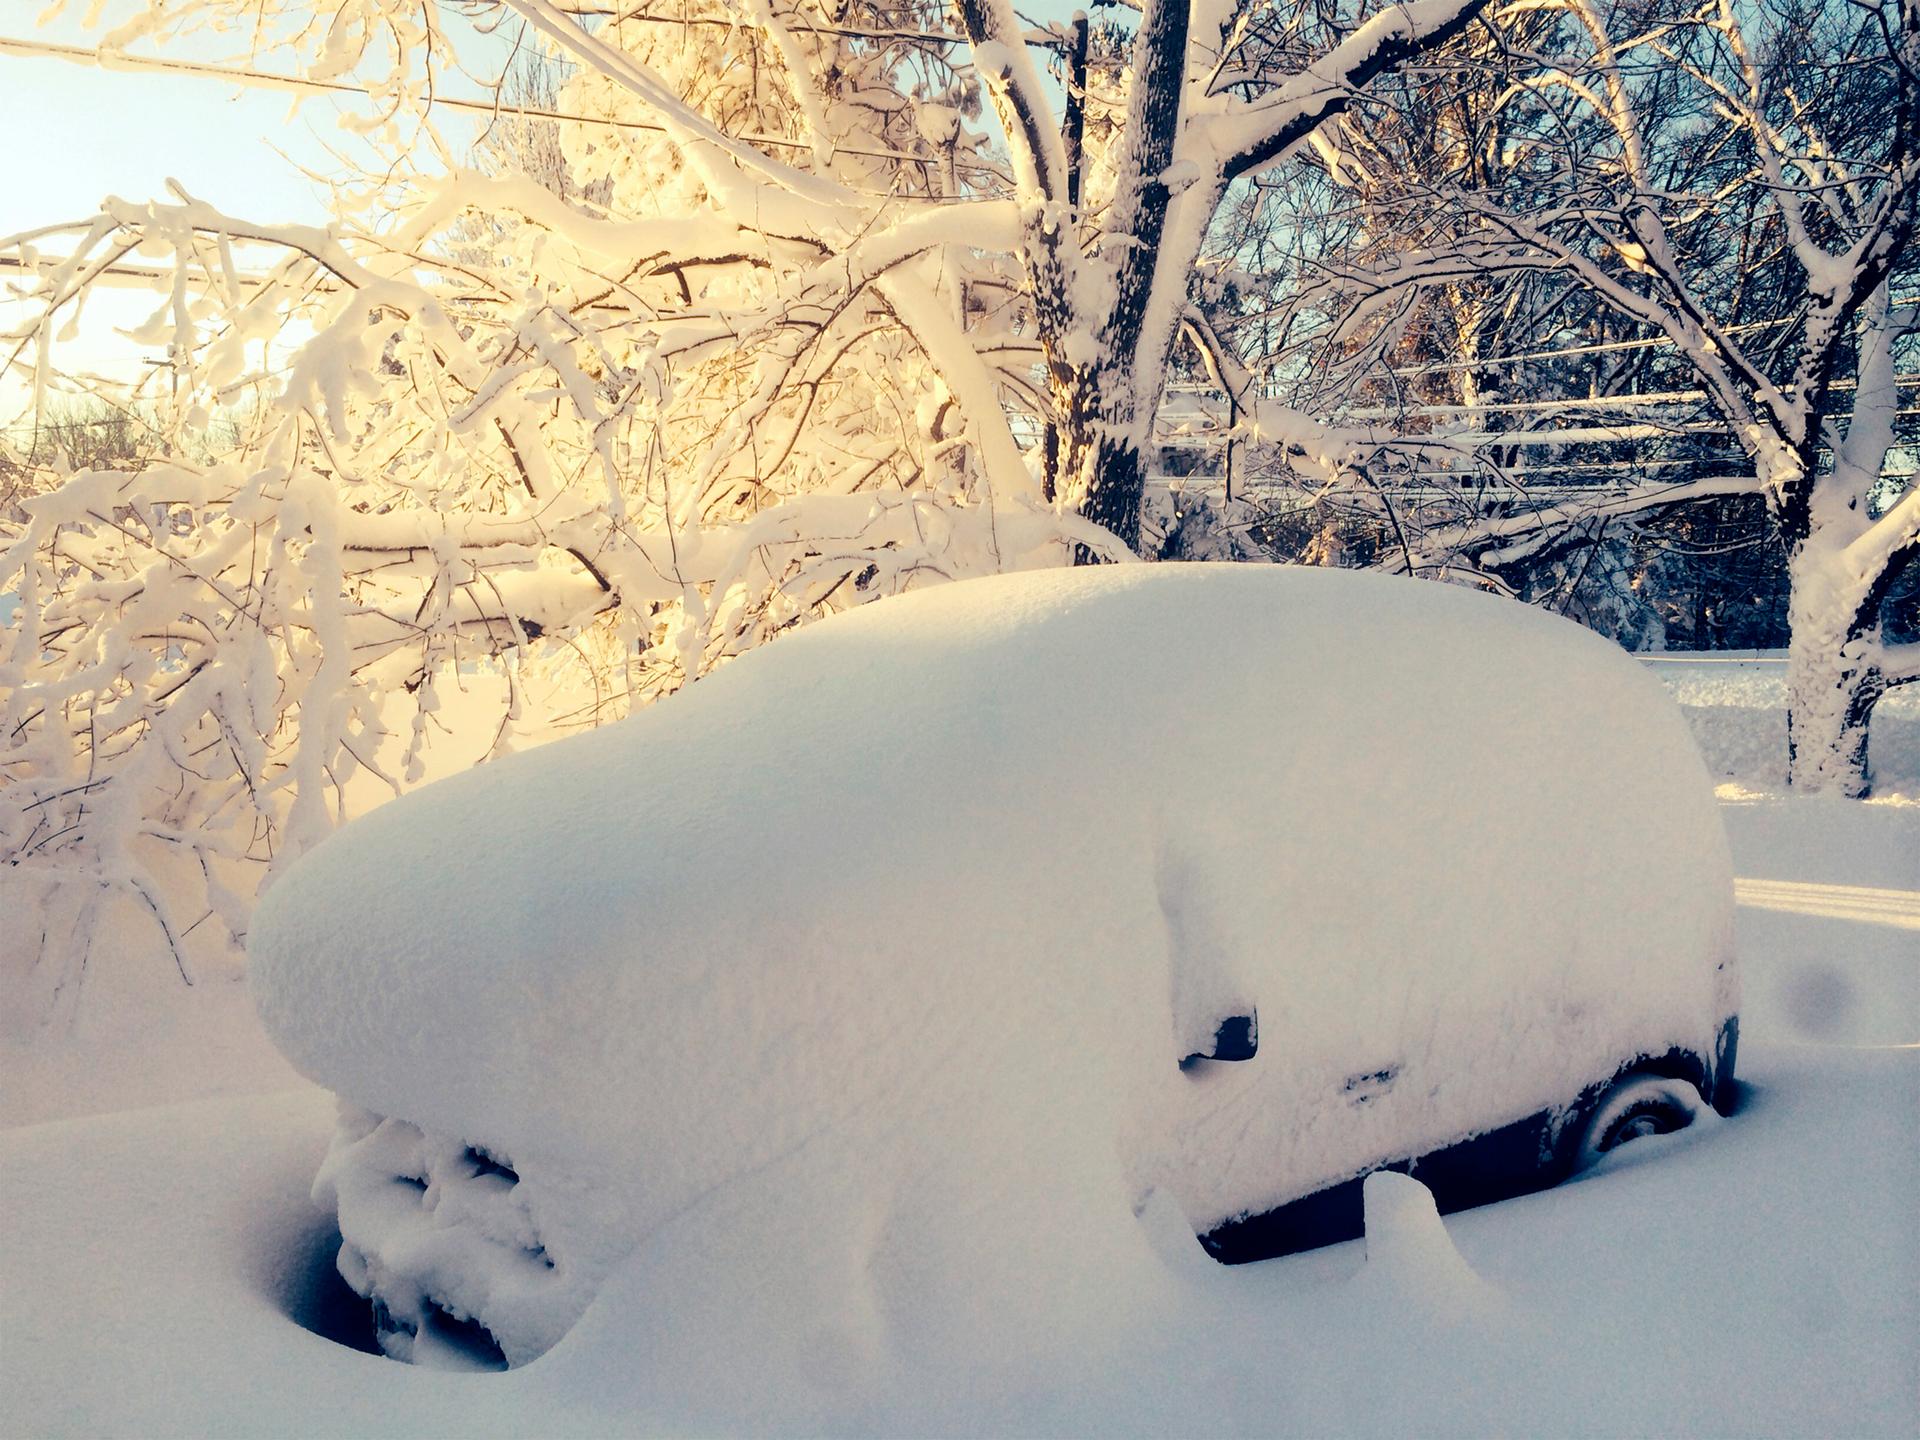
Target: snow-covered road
1897, 908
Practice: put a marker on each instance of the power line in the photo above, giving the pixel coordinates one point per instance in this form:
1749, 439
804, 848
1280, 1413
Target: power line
1603, 347
1606, 347
301, 85
1044, 39
148, 275
153, 274
1441, 367
1629, 401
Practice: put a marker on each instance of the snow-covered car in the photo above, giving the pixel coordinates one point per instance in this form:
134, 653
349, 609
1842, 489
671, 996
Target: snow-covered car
931, 943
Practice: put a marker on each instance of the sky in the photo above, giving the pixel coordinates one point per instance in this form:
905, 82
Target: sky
80, 134
92, 133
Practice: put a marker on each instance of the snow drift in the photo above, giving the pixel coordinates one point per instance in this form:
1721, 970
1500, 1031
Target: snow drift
837, 1001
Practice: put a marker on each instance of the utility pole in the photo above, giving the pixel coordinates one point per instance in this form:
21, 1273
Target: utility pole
1233, 423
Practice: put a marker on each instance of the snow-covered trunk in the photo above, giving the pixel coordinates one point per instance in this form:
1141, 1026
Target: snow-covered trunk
1832, 680
1108, 392
1842, 563
1102, 453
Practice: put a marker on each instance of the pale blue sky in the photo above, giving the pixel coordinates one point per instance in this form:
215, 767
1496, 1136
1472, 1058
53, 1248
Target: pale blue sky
89, 133
78, 134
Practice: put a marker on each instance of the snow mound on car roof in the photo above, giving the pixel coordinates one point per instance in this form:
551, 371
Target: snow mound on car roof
848, 985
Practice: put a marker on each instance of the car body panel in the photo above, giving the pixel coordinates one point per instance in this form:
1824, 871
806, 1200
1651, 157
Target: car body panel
970, 872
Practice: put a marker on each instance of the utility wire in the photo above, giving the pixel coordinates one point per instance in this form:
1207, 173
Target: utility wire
1521, 407
1604, 347
153, 274
301, 85
1044, 38
148, 275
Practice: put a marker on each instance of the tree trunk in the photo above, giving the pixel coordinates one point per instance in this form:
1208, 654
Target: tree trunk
1102, 455
1111, 472
1836, 591
1829, 707
1832, 685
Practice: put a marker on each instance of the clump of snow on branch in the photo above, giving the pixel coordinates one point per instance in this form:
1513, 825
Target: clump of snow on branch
632, 436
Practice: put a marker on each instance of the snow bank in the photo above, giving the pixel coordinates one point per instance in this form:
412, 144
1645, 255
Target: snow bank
1736, 704
840, 996
1762, 1279
124, 1030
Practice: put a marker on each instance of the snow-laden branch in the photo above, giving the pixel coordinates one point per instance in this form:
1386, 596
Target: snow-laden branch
1701, 186
1013, 84
786, 201
531, 433
1249, 136
1473, 537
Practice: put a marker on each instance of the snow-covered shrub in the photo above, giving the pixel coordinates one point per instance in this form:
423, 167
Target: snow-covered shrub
627, 441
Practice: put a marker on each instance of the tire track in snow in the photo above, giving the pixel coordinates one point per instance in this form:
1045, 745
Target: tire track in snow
1862, 904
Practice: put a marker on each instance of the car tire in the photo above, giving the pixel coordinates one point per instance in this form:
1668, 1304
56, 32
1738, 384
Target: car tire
1635, 1106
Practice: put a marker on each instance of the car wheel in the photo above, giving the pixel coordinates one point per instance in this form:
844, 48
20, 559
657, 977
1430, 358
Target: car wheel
1636, 1106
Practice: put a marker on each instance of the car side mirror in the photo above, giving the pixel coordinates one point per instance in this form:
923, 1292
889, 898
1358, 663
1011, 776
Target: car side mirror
1237, 1037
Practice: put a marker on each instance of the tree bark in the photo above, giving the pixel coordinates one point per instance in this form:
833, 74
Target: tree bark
1108, 468
1832, 682
1828, 713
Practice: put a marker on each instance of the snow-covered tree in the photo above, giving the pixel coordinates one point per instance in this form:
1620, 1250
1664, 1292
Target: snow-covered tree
1739, 186
785, 332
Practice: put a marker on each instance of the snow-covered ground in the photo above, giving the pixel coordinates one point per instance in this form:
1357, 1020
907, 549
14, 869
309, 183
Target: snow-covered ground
1736, 701
162, 1270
